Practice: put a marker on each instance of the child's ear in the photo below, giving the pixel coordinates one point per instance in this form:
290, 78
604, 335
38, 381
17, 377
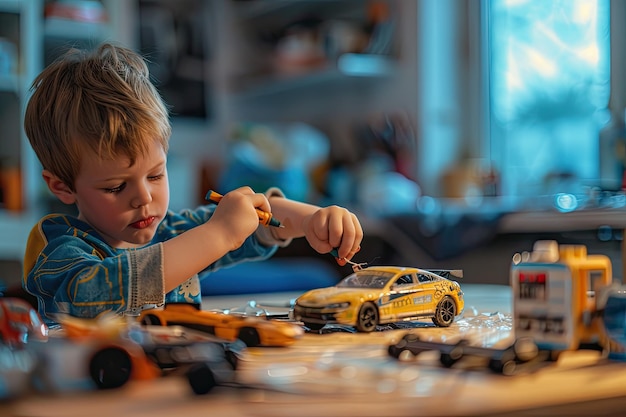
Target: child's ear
58, 187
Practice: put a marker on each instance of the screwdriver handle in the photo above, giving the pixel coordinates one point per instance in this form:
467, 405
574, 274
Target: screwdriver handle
265, 218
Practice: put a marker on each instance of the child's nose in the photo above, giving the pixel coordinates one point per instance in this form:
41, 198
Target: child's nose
142, 196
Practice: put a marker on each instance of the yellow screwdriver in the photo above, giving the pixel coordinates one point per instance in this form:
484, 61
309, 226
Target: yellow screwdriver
265, 218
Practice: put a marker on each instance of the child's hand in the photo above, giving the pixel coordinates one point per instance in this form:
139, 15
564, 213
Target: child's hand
334, 227
236, 212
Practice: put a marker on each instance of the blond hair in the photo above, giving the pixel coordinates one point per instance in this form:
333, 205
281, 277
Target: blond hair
101, 100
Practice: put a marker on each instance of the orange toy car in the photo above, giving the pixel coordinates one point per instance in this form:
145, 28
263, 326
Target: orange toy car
113, 358
253, 331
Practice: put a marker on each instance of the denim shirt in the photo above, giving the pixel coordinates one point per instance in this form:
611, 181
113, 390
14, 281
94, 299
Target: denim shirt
70, 269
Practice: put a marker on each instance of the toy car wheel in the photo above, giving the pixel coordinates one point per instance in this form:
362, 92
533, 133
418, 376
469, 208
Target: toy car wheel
249, 336
448, 359
314, 326
504, 366
395, 350
110, 368
151, 320
445, 312
525, 349
368, 318
232, 359
201, 379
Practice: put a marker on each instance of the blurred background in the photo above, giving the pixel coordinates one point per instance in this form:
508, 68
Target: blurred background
461, 131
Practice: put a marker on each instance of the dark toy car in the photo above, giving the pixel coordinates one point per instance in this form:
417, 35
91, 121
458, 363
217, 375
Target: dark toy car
521, 355
206, 361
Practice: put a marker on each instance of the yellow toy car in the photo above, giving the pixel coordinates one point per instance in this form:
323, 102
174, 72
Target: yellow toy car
382, 295
253, 331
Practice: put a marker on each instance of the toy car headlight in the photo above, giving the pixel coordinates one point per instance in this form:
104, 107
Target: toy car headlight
295, 331
338, 305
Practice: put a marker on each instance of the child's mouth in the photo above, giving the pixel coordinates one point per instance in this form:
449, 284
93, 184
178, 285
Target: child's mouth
142, 224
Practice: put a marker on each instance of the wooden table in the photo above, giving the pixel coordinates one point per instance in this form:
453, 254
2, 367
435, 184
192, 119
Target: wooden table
349, 374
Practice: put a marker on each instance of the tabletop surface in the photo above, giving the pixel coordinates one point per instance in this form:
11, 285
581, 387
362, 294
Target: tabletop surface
343, 373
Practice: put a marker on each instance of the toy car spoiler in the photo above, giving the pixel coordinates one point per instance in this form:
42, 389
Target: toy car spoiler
448, 273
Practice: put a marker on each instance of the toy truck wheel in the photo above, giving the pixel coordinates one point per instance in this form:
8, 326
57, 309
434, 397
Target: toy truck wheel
368, 318
110, 368
445, 312
249, 336
201, 379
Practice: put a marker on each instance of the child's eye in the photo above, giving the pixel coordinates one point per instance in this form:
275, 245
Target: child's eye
155, 177
115, 190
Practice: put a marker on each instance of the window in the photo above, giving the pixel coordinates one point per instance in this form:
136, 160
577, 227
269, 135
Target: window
422, 278
404, 280
548, 77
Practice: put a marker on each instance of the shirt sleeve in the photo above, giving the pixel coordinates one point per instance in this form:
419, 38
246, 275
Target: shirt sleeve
73, 274
146, 284
266, 235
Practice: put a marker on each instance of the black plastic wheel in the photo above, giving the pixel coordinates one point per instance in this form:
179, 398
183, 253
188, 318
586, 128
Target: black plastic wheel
201, 379
249, 336
151, 320
314, 326
110, 368
448, 359
445, 312
368, 318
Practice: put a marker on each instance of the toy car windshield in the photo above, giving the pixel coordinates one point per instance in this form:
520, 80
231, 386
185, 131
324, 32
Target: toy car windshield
362, 279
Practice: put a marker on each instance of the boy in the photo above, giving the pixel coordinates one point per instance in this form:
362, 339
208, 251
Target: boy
101, 132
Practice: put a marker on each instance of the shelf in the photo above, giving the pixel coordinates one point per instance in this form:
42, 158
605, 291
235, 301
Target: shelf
350, 68
553, 221
10, 6
265, 11
70, 29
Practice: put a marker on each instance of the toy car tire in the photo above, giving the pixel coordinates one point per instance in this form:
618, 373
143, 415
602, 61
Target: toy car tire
249, 336
445, 312
201, 379
448, 359
232, 359
397, 350
314, 326
525, 349
368, 318
503, 366
151, 320
110, 368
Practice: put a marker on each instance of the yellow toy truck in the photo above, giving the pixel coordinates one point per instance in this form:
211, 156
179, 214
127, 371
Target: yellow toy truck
557, 295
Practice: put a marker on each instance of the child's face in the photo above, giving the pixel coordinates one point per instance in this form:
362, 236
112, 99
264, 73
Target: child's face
124, 203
